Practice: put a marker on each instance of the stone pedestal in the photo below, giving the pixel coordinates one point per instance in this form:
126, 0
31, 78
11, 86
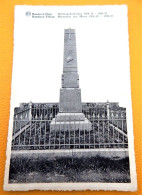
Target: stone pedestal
70, 100
70, 122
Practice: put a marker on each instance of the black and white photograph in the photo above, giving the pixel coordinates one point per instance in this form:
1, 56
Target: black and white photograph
70, 124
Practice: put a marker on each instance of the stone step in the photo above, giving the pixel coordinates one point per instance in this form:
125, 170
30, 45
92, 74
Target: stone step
63, 117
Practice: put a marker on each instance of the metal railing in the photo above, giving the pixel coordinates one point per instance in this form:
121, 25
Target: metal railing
31, 131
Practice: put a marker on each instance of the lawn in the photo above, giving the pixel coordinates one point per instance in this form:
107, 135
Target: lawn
67, 169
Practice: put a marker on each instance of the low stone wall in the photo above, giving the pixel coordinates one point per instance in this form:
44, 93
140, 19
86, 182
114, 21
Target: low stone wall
53, 154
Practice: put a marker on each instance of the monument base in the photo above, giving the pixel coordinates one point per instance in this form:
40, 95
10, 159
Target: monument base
70, 122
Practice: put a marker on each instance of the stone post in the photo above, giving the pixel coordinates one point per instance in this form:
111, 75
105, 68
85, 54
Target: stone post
108, 116
30, 111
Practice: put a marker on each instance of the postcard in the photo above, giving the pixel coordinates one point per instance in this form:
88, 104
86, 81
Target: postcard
70, 124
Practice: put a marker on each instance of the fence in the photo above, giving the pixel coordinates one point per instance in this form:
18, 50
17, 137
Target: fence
31, 128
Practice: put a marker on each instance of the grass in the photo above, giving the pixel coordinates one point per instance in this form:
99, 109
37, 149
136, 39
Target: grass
93, 169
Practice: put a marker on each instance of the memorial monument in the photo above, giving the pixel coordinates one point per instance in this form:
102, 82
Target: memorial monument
70, 116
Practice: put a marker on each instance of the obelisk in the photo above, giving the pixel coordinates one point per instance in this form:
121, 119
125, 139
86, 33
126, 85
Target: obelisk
70, 116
